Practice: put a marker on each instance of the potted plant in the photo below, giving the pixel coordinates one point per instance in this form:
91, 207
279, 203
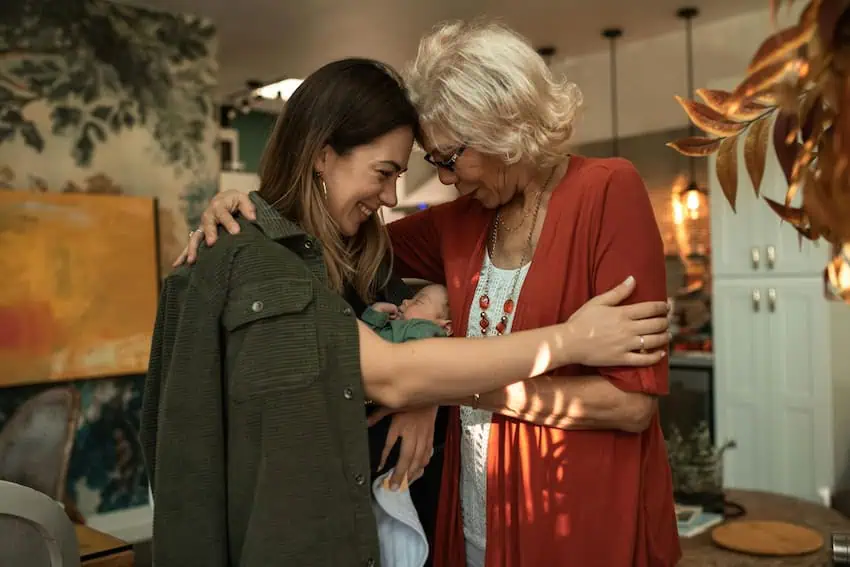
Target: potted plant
697, 468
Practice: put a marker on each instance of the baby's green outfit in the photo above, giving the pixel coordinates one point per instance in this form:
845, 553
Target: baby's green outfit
398, 330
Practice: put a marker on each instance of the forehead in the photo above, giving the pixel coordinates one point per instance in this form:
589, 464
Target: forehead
432, 293
394, 146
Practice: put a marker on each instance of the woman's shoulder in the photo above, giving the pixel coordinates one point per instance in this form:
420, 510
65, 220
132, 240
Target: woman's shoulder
602, 170
596, 179
249, 255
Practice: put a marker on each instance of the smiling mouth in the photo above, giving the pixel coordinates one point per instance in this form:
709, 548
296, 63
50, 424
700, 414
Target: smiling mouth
365, 210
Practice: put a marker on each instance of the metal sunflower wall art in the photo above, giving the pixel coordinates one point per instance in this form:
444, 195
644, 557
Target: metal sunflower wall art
798, 82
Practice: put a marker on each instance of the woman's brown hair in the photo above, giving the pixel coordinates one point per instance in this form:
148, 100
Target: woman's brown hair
345, 104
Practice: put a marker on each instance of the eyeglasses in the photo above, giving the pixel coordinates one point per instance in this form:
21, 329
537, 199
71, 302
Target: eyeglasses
448, 164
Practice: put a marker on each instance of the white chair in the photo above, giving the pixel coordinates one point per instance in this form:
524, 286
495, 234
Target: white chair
34, 530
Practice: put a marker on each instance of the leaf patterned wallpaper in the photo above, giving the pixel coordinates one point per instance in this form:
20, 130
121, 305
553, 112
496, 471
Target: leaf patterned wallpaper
97, 97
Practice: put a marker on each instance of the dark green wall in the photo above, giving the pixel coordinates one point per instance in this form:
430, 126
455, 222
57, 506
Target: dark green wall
254, 130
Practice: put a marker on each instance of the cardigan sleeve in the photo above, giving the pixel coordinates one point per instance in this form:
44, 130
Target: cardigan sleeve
417, 248
629, 243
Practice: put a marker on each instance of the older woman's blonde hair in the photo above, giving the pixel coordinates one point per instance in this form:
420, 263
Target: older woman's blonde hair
482, 85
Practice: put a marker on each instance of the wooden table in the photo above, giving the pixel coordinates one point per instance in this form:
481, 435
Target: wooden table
699, 551
98, 549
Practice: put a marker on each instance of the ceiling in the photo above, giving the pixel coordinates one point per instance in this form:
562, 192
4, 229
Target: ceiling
273, 39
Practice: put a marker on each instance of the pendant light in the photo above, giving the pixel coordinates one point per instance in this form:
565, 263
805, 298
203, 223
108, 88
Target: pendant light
691, 195
612, 35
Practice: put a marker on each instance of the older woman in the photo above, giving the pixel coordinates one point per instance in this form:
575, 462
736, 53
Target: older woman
570, 470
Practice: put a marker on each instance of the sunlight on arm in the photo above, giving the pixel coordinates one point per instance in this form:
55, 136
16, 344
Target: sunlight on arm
542, 360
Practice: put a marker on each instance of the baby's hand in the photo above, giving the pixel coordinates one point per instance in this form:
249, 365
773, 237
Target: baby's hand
388, 308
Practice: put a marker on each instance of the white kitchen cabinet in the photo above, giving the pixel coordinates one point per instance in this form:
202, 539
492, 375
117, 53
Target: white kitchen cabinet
782, 351
782, 382
755, 241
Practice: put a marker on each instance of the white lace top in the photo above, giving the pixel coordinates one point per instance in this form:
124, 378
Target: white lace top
475, 424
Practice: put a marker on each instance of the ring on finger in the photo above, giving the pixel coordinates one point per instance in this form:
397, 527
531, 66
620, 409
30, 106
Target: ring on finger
642, 345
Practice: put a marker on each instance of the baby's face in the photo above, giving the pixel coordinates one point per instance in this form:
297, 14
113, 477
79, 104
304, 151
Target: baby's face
431, 303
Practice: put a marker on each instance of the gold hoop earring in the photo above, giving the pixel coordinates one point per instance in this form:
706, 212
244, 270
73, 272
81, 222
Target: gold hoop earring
322, 184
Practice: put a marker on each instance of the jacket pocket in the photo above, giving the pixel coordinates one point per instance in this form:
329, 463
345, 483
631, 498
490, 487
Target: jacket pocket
272, 337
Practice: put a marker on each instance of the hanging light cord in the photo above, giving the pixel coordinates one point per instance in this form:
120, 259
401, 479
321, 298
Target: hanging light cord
688, 14
612, 34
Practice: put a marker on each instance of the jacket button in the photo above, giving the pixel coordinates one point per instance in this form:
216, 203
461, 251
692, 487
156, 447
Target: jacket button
348, 393
308, 245
257, 306
346, 311
370, 562
360, 480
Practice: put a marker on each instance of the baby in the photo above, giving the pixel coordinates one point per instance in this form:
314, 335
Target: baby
425, 315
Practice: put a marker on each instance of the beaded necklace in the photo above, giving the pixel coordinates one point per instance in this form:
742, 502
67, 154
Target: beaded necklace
509, 304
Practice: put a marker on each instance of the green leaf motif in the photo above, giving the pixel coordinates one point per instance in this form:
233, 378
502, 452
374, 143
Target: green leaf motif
95, 130
102, 112
103, 68
32, 137
83, 150
65, 118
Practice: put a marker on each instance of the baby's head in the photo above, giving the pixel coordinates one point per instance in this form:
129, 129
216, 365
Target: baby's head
431, 303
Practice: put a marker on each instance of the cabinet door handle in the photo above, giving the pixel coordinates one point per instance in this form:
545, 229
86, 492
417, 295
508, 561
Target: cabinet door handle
756, 300
755, 256
771, 256
771, 299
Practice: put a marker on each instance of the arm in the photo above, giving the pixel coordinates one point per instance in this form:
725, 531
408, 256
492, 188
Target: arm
182, 428
617, 397
630, 242
431, 370
416, 247
570, 402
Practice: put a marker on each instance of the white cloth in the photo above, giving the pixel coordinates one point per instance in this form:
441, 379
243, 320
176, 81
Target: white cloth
475, 423
400, 534
475, 555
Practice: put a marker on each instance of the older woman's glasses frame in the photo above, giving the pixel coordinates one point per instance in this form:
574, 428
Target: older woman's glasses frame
448, 164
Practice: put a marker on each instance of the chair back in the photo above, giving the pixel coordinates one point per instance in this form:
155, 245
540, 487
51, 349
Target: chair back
34, 530
36, 442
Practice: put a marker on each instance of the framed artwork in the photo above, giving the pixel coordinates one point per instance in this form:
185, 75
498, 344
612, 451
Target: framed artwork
80, 286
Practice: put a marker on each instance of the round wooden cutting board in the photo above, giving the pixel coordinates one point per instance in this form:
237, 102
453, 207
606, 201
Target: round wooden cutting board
778, 539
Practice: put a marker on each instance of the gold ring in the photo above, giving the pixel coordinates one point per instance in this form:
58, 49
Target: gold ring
642, 345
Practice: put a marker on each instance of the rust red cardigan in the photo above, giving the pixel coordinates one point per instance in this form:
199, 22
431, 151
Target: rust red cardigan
558, 498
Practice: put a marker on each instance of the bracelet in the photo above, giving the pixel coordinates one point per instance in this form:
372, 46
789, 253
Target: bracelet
476, 401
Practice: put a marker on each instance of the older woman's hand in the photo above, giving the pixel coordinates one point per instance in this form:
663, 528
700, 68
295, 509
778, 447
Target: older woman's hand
416, 430
219, 212
606, 333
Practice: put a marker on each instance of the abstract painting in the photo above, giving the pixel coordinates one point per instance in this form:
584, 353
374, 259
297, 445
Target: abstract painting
81, 285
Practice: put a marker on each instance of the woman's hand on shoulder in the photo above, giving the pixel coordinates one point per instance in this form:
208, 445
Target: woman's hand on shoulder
606, 333
220, 211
